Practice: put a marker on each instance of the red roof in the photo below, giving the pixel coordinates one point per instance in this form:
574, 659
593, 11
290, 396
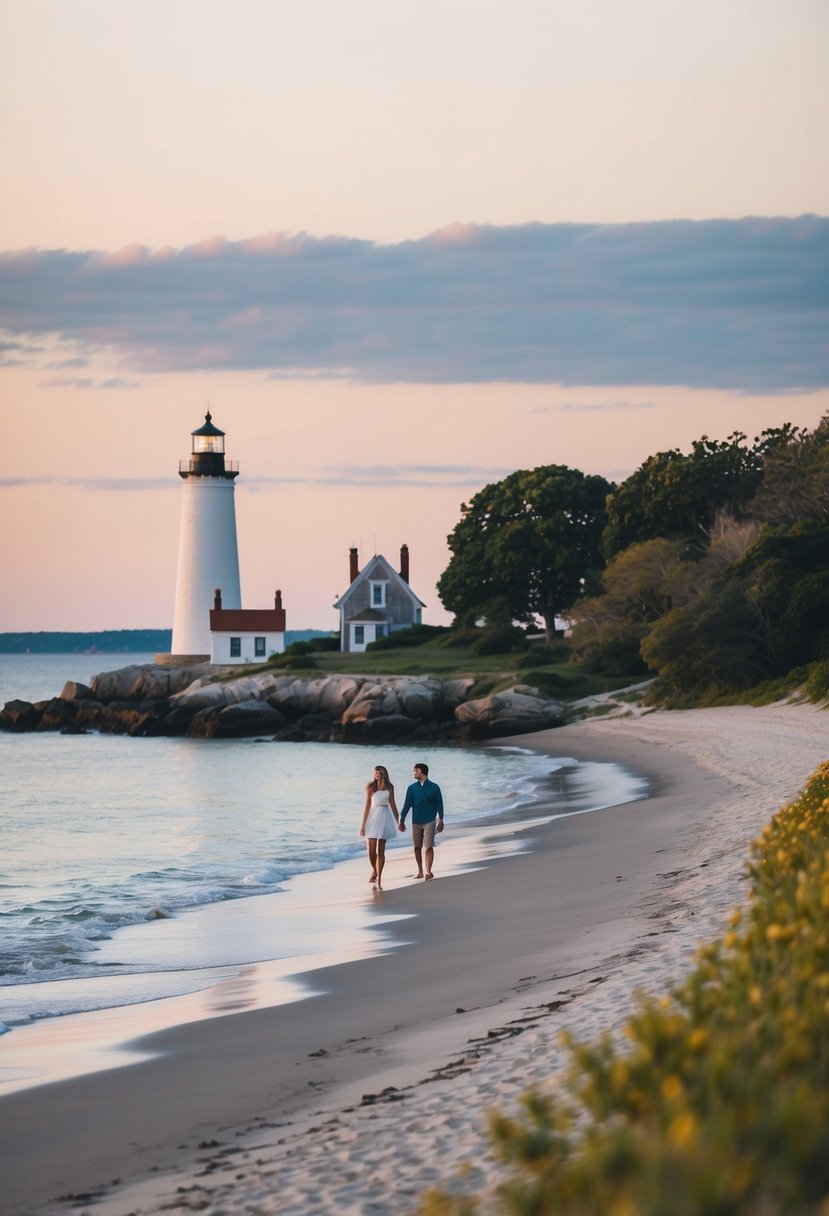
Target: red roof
247, 620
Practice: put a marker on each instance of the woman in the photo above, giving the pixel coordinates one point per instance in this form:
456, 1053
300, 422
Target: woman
380, 820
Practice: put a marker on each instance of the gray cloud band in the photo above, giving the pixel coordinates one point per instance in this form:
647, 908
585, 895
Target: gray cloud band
737, 304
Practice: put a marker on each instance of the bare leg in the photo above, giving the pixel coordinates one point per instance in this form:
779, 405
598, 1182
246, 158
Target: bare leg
381, 859
372, 856
419, 859
430, 854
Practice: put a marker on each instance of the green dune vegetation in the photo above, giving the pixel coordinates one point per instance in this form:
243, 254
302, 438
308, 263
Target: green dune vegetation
715, 1098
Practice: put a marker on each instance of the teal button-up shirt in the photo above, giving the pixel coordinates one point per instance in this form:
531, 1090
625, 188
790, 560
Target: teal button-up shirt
424, 801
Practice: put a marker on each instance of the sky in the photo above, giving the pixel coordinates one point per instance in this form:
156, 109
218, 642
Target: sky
399, 248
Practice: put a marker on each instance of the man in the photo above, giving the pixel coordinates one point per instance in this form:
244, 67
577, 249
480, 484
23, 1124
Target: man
425, 801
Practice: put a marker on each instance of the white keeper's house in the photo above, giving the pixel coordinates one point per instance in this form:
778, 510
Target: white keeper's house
378, 601
246, 635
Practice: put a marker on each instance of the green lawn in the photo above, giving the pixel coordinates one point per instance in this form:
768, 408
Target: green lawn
561, 679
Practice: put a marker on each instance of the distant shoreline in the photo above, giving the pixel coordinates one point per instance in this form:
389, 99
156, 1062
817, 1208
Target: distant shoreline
112, 641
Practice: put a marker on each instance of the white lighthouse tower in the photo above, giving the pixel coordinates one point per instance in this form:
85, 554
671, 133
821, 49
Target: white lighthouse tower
208, 555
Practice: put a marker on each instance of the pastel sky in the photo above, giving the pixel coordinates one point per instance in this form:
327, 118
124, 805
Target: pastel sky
400, 248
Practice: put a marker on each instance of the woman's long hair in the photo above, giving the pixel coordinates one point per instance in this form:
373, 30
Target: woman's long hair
385, 780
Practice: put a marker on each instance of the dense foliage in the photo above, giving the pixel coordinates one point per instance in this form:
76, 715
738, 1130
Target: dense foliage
676, 495
526, 546
718, 1105
718, 579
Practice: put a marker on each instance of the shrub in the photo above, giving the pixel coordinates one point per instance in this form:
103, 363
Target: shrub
415, 635
294, 657
817, 681
719, 1104
499, 638
544, 655
551, 684
464, 635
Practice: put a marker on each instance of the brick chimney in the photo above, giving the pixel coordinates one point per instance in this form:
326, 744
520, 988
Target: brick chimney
277, 600
217, 598
353, 566
404, 563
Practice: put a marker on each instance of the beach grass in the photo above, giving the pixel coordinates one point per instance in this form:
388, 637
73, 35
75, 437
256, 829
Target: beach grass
715, 1099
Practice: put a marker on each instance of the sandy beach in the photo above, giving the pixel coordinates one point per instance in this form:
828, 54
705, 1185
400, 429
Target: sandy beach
377, 1087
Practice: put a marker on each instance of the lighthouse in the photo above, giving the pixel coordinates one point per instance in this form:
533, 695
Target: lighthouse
208, 554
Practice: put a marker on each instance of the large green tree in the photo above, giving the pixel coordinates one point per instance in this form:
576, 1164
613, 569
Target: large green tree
525, 547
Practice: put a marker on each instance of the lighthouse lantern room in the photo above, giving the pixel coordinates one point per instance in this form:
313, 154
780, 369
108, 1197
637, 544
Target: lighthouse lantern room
208, 555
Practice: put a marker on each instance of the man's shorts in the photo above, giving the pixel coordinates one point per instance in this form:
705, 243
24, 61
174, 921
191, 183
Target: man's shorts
423, 835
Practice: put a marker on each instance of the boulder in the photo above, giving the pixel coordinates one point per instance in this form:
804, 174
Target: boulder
386, 728
252, 717
123, 718
19, 716
420, 699
320, 726
86, 714
201, 725
372, 701
158, 683
73, 691
206, 696
337, 693
145, 682
57, 714
290, 697
121, 685
455, 692
507, 713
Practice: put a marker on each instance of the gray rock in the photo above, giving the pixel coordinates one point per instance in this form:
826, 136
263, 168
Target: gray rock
73, 691
252, 717
205, 696
146, 682
455, 692
507, 713
387, 727
57, 714
19, 716
421, 699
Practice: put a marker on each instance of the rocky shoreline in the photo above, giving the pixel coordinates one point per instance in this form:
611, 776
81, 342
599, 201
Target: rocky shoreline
207, 702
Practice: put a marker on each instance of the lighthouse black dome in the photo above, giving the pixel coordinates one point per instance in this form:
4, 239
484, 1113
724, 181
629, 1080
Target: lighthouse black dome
208, 428
207, 454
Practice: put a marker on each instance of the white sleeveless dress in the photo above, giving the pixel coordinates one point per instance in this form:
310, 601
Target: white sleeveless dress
380, 824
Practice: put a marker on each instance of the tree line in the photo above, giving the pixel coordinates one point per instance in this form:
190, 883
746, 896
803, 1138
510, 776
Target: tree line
707, 568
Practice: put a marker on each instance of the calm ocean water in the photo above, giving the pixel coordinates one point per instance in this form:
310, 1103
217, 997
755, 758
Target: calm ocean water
119, 854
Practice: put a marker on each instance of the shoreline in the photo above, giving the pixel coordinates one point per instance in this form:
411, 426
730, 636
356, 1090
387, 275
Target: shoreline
505, 954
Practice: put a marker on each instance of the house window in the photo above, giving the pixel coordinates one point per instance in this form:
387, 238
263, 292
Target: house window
236, 648
378, 595
359, 634
380, 631
259, 648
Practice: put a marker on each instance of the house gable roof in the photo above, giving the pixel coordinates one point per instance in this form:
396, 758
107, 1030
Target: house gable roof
377, 569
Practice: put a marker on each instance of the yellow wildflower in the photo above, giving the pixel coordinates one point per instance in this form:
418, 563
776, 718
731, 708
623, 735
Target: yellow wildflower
671, 1088
682, 1129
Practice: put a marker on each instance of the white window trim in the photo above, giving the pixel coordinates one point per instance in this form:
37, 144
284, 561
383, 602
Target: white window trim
383, 585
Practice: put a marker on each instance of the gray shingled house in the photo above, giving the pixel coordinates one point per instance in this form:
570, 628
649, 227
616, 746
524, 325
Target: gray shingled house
378, 601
